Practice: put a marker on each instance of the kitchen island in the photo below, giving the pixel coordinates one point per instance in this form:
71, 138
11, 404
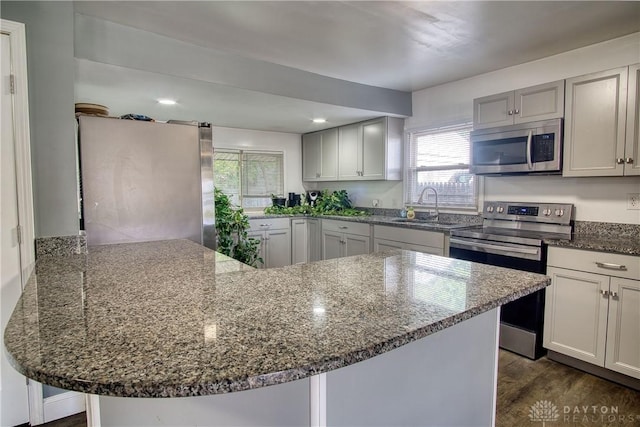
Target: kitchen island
390, 338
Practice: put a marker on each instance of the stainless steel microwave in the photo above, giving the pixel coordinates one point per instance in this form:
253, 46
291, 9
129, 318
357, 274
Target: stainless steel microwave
534, 147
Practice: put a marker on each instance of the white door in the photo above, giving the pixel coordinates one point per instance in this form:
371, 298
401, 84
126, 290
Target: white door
14, 408
632, 146
299, 241
356, 245
373, 149
623, 334
329, 155
380, 245
575, 314
331, 245
349, 152
311, 151
494, 110
278, 248
542, 102
594, 124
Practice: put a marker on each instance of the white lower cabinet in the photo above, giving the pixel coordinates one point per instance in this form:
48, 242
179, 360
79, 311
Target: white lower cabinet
430, 242
592, 308
345, 238
305, 240
275, 240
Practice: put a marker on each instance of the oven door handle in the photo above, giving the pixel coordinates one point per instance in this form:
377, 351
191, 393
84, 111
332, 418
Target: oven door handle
529, 138
490, 247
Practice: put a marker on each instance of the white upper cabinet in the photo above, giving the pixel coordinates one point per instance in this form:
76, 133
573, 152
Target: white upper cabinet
594, 143
320, 155
541, 102
349, 151
370, 150
632, 145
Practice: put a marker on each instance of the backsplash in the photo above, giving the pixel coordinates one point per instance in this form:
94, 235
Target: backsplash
606, 229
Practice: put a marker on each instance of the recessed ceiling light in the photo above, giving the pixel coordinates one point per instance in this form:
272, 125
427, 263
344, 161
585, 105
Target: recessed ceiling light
166, 101
319, 120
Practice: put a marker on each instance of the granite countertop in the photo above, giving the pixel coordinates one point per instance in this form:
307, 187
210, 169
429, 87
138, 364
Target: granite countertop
626, 245
168, 319
416, 224
604, 237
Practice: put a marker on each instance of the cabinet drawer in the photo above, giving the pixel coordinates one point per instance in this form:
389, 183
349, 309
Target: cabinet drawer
346, 227
595, 262
263, 224
433, 239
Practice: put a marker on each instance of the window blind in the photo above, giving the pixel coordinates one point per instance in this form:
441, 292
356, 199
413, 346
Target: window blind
439, 158
249, 178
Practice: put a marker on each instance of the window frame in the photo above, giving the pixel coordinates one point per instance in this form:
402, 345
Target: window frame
409, 169
241, 179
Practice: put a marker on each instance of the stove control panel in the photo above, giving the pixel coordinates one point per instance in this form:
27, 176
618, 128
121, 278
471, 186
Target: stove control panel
554, 213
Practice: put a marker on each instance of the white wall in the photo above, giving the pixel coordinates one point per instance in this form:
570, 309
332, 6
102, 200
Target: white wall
50, 63
596, 199
247, 139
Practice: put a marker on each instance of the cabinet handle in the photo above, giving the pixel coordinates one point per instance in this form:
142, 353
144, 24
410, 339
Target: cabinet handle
517, 111
342, 227
619, 160
614, 295
604, 293
610, 266
510, 112
265, 225
629, 160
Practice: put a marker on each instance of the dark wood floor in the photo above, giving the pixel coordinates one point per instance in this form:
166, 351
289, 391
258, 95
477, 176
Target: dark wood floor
523, 382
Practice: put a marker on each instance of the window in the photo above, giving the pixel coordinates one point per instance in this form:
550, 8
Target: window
249, 178
439, 158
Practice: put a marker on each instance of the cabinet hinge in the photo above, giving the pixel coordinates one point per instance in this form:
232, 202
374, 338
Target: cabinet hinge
12, 83
19, 233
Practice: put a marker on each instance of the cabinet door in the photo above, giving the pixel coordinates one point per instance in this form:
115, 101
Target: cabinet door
542, 102
373, 150
632, 146
595, 124
260, 236
311, 156
331, 244
314, 238
349, 155
575, 316
278, 248
329, 155
356, 245
623, 334
492, 111
380, 245
299, 241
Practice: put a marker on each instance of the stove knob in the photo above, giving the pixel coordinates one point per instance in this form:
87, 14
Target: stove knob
500, 209
489, 208
559, 212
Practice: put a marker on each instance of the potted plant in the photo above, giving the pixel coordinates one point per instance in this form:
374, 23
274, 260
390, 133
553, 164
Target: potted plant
231, 228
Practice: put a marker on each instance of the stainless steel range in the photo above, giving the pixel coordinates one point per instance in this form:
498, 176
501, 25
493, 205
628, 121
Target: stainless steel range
512, 235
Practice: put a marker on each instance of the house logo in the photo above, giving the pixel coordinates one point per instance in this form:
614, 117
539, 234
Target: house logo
543, 411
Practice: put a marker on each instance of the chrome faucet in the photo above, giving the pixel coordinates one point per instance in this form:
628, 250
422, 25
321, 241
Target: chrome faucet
435, 215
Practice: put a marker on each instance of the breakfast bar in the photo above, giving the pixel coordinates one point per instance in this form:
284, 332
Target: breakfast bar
172, 333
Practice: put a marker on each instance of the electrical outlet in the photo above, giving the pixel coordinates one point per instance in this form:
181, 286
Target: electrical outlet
375, 203
633, 201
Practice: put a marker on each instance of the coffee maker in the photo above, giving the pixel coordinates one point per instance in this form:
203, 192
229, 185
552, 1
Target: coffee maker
312, 197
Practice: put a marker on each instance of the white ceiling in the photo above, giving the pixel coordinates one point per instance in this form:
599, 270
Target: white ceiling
405, 46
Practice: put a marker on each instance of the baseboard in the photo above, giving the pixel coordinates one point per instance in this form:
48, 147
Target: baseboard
63, 405
607, 374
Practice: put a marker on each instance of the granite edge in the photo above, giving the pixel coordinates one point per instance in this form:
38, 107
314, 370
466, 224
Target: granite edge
263, 380
61, 246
